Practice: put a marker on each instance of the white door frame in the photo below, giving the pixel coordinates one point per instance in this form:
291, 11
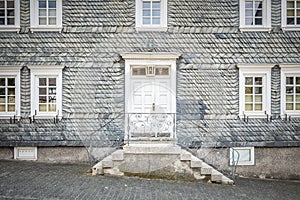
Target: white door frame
149, 58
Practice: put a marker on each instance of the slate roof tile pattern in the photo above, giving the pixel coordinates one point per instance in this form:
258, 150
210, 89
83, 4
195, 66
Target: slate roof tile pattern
206, 35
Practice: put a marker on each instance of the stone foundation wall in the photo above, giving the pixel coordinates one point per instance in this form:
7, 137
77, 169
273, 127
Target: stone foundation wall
277, 163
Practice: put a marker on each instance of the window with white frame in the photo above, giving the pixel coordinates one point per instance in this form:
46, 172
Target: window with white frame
290, 14
151, 15
255, 90
46, 87
9, 15
10, 91
46, 15
255, 15
290, 89
241, 156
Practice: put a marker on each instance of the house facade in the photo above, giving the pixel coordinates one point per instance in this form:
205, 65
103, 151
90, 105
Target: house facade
218, 77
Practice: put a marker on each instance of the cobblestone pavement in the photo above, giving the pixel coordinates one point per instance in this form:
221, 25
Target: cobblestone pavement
32, 180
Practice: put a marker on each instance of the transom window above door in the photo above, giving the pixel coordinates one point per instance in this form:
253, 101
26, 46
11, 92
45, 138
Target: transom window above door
144, 70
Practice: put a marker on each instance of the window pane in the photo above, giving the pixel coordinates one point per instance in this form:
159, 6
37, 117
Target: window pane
1, 4
2, 13
258, 21
156, 21
146, 13
10, 4
2, 108
2, 81
297, 98
52, 4
42, 81
52, 21
2, 21
258, 90
248, 4
11, 99
2, 99
42, 12
298, 4
297, 106
298, 90
11, 108
162, 71
289, 80
42, 4
290, 13
290, 4
146, 20
290, 21
289, 106
10, 12
42, 91
249, 21
42, 107
156, 13
52, 99
289, 98
298, 13
52, 81
138, 71
248, 90
249, 81
52, 107
2, 91
248, 98
258, 80
258, 13
258, 107
258, 98
52, 91
248, 107
155, 4
52, 13
298, 21
42, 99
146, 4
249, 13
11, 81
11, 91
11, 21
289, 90
42, 21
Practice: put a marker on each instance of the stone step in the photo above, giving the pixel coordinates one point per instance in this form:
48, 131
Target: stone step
117, 155
206, 169
185, 156
195, 162
152, 149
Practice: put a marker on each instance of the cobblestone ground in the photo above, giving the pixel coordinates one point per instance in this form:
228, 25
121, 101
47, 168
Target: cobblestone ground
31, 180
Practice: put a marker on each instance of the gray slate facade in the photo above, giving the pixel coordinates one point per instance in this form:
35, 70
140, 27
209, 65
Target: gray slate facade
206, 34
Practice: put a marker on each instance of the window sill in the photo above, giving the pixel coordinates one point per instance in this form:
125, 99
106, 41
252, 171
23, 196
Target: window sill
46, 116
254, 116
149, 28
290, 28
257, 29
9, 117
295, 115
9, 29
46, 29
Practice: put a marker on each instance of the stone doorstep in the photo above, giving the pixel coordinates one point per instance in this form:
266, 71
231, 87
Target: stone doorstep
185, 156
152, 149
117, 155
107, 162
196, 162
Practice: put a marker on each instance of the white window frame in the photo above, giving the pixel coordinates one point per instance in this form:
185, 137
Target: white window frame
266, 24
34, 17
289, 69
139, 17
285, 26
16, 27
45, 71
263, 70
19, 150
12, 71
236, 159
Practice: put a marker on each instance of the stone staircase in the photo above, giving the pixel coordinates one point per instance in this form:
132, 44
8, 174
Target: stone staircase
167, 161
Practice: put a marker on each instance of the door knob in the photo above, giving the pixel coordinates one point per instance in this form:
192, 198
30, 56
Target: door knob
153, 107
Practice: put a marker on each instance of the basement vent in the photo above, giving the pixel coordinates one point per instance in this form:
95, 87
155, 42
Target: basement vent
242, 156
25, 153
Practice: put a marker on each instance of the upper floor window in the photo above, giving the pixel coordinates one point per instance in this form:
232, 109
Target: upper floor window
151, 15
255, 90
46, 87
290, 89
10, 91
290, 14
46, 15
9, 15
255, 15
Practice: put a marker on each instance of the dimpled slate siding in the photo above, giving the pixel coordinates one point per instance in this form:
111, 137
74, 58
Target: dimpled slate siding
94, 35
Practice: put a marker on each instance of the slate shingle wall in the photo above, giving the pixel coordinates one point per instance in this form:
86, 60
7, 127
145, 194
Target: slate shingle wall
204, 32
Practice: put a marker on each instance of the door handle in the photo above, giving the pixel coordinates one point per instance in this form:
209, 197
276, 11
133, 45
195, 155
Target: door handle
153, 107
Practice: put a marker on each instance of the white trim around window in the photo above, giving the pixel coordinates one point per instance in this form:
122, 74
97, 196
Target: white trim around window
151, 15
25, 153
255, 15
290, 90
10, 92
46, 15
10, 22
290, 15
254, 90
46, 91
242, 156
